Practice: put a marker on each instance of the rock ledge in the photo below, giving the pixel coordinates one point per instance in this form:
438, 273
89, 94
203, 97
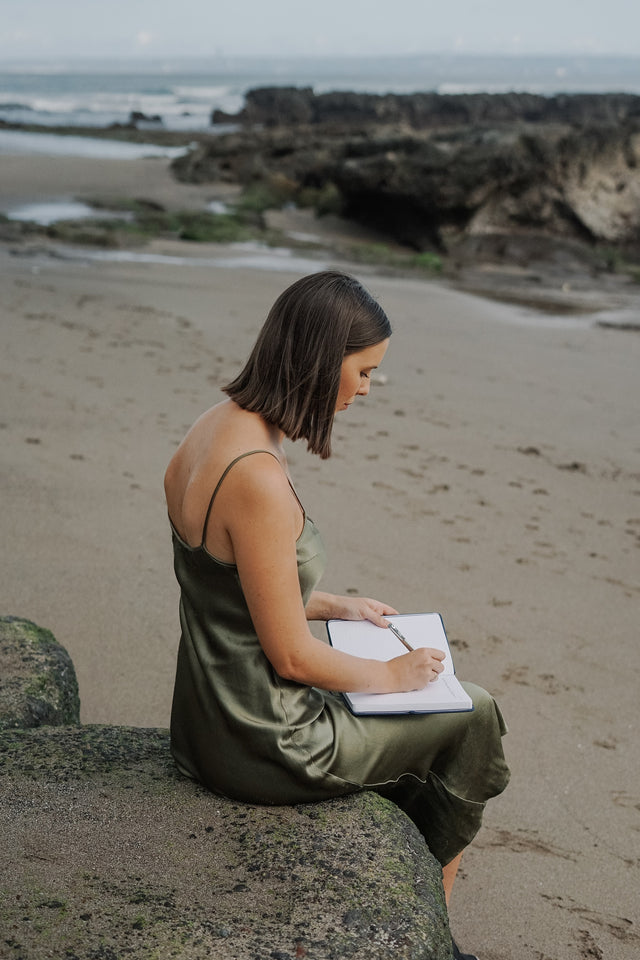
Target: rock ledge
108, 852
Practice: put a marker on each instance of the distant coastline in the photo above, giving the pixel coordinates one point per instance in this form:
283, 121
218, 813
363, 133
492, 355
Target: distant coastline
183, 93
519, 197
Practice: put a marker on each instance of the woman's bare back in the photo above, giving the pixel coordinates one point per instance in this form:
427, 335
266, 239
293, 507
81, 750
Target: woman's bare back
217, 438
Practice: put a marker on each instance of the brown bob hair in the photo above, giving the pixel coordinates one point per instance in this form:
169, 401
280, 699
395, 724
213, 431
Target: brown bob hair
293, 373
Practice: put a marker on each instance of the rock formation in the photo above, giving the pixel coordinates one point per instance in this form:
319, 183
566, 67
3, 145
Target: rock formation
108, 852
292, 106
38, 682
441, 172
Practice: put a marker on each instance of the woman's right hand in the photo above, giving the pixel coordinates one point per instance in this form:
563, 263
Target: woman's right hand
413, 671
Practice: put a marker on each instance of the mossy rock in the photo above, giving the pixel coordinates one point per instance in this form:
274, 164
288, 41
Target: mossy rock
111, 853
38, 682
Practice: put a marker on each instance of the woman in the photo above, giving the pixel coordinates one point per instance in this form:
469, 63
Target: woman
252, 717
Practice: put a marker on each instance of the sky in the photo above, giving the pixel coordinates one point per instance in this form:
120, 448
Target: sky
50, 29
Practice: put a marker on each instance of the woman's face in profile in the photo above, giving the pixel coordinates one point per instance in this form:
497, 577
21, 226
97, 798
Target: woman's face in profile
356, 373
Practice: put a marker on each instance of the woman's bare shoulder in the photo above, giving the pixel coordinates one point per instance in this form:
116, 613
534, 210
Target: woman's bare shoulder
217, 438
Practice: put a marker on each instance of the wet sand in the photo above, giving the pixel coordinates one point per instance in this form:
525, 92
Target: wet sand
492, 475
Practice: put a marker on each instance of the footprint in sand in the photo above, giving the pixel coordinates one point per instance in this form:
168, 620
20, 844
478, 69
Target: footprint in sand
545, 549
494, 640
589, 949
550, 684
48, 316
86, 298
544, 682
458, 644
525, 841
622, 799
529, 451
474, 471
574, 467
619, 927
516, 675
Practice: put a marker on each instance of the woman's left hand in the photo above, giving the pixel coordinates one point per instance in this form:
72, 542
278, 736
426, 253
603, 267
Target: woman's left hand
325, 606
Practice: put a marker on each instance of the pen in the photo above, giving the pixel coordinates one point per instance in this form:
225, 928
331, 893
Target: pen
397, 633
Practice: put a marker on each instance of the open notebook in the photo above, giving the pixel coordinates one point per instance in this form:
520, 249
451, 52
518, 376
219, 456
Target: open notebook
361, 638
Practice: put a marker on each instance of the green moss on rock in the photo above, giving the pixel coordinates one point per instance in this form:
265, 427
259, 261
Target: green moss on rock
38, 682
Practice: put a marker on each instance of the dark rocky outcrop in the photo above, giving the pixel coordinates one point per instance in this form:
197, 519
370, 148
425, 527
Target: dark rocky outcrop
291, 106
136, 117
445, 188
108, 852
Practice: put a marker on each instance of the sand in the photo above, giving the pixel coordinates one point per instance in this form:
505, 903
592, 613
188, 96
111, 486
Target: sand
492, 475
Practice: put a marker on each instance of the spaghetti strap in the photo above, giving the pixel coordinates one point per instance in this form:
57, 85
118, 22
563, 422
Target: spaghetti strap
217, 487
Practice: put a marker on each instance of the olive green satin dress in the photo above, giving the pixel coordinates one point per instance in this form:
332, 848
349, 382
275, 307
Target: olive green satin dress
244, 732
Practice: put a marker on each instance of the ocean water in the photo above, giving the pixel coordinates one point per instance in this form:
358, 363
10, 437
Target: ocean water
55, 145
183, 94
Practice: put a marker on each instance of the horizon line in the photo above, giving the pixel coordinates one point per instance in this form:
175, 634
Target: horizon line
147, 57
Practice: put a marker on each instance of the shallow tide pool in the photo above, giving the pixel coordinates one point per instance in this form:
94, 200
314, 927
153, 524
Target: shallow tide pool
53, 211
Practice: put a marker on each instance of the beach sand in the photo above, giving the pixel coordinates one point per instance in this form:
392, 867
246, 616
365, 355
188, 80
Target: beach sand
492, 475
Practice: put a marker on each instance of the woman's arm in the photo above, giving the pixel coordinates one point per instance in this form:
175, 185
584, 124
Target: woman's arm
263, 528
327, 606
